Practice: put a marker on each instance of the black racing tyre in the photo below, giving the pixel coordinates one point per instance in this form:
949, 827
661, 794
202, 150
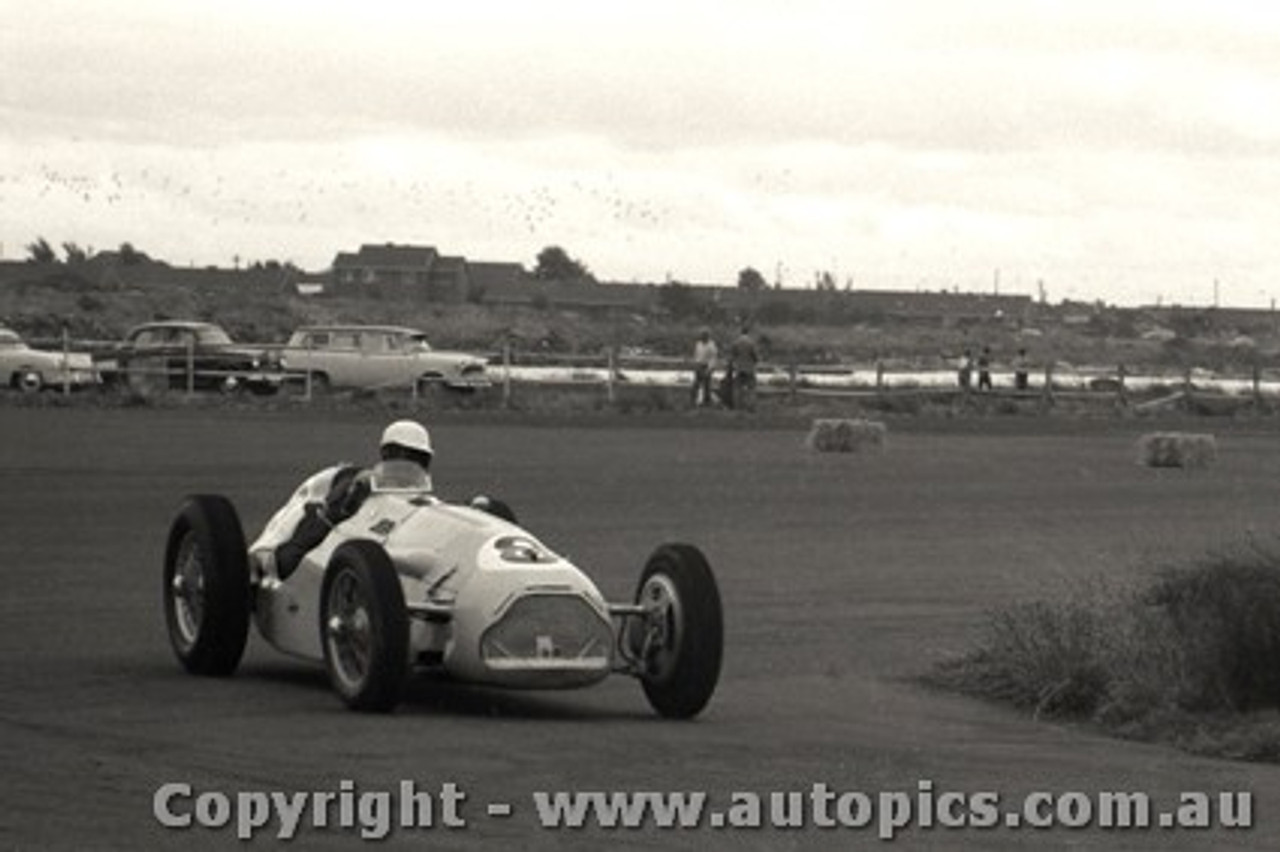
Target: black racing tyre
364, 627
206, 586
681, 640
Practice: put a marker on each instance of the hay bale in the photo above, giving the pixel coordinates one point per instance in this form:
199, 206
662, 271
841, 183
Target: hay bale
846, 436
1177, 449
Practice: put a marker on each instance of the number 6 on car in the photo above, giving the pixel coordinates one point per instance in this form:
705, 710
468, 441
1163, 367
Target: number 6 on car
410, 582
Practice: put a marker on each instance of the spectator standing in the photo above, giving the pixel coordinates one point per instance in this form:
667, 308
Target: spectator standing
1021, 368
705, 354
965, 374
743, 357
984, 369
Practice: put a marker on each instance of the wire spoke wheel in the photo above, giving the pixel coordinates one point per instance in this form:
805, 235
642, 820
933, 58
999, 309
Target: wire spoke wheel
364, 627
660, 634
206, 586
348, 631
679, 640
187, 590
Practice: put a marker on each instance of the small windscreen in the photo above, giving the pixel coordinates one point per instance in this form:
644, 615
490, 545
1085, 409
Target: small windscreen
399, 475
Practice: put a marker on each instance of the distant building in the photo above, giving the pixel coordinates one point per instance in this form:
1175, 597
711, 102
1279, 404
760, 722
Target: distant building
390, 268
423, 268
487, 278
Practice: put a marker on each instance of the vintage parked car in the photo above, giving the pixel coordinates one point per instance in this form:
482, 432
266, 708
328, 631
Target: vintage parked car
373, 357
180, 355
410, 583
30, 370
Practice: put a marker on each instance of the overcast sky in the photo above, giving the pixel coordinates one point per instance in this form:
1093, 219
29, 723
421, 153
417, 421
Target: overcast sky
1123, 151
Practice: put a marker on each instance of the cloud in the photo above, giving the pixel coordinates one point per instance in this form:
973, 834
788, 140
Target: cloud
669, 76
1128, 145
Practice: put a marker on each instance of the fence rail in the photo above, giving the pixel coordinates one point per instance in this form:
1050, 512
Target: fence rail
611, 369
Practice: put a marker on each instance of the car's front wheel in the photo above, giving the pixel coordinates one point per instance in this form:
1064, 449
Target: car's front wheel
679, 640
28, 381
232, 387
364, 627
206, 586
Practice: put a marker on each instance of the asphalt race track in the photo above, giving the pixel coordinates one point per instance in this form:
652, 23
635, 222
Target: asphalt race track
843, 578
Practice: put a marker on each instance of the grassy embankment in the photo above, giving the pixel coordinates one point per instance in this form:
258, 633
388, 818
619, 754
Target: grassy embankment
100, 303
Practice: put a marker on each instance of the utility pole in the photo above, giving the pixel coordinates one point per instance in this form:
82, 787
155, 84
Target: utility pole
997, 281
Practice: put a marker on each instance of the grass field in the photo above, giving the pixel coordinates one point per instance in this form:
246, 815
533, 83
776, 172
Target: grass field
844, 578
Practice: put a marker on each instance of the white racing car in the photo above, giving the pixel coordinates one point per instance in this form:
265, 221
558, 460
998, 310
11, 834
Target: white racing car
411, 582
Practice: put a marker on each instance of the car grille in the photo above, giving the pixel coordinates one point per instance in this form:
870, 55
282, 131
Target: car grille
543, 630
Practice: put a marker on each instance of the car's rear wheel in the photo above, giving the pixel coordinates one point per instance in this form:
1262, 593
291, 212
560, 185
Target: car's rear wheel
148, 377
364, 627
679, 641
206, 586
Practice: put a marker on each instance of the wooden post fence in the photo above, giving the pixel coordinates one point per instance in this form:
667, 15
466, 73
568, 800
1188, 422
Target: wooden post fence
506, 373
66, 361
610, 393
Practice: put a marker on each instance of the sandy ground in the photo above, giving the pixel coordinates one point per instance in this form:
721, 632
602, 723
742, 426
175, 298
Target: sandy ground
843, 578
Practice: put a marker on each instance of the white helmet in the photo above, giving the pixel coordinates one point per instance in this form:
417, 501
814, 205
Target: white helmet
409, 435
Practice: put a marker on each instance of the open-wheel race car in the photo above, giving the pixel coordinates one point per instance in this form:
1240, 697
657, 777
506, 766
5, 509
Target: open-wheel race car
411, 582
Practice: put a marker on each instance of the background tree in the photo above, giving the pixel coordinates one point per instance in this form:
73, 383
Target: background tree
555, 264
41, 252
680, 301
751, 279
130, 256
74, 253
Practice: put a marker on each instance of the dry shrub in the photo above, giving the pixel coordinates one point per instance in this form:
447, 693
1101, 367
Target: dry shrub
1044, 656
1177, 449
1192, 657
846, 436
1225, 616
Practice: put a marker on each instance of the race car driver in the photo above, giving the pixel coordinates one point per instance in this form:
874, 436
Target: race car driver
349, 486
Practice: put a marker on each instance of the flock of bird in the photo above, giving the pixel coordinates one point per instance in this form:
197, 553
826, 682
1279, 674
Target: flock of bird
281, 195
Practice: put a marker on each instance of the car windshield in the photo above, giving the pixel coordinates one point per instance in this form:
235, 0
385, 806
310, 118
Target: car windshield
10, 340
212, 335
398, 476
